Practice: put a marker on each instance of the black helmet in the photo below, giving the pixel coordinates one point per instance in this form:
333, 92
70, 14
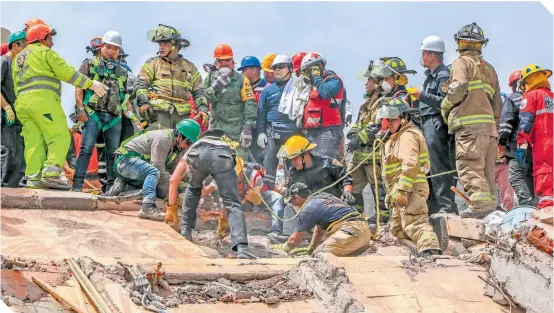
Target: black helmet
471, 32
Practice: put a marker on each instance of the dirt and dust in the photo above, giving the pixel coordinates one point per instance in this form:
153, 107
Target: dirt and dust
385, 239
414, 265
257, 241
66, 225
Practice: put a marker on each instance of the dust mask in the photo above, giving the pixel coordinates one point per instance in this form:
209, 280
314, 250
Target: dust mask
386, 87
224, 71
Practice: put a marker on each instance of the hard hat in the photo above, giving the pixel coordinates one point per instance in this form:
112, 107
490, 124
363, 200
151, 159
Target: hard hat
398, 66
295, 146
36, 21
514, 77
297, 60
532, 69
239, 165
311, 59
4, 35
433, 43
223, 52
113, 38
189, 128
38, 32
281, 59
166, 33
471, 32
20, 35
249, 61
267, 61
391, 108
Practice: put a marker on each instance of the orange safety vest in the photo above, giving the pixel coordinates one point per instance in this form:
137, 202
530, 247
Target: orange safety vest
320, 112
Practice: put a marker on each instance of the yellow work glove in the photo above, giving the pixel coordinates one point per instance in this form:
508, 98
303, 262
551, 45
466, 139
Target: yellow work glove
287, 247
10, 115
203, 117
401, 198
253, 197
222, 226
172, 214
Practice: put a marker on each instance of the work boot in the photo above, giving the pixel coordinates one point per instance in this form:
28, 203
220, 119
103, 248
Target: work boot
429, 253
480, 214
373, 229
186, 232
117, 187
438, 221
33, 184
243, 252
150, 211
56, 183
276, 238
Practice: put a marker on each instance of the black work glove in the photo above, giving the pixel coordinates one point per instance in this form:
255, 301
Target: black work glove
348, 198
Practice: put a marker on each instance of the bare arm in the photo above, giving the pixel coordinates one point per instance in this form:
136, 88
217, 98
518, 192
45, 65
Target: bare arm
176, 177
296, 238
318, 235
4, 102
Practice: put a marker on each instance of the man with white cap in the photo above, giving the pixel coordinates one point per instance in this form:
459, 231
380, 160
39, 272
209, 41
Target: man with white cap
439, 142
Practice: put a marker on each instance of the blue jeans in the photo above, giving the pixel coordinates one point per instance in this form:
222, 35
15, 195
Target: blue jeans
90, 134
134, 169
277, 204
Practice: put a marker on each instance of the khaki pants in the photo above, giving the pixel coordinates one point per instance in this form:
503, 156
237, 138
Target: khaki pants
412, 221
346, 238
362, 176
475, 161
166, 120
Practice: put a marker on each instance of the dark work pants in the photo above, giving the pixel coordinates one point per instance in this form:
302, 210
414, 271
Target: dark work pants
522, 182
219, 162
442, 156
274, 142
11, 154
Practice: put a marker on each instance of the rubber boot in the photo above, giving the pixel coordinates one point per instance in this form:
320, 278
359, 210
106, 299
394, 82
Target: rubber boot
55, 183
150, 211
438, 222
469, 213
243, 252
429, 253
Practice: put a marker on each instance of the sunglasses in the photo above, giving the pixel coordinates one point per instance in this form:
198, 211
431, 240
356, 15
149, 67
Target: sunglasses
279, 67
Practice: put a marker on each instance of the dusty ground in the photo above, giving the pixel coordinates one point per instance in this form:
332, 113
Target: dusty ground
258, 242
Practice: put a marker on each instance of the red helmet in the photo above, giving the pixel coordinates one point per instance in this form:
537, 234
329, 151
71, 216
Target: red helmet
38, 32
297, 60
514, 77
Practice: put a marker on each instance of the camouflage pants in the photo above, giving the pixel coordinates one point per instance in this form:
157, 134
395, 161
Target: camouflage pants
412, 221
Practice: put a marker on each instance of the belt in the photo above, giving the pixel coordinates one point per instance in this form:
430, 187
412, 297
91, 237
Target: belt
355, 218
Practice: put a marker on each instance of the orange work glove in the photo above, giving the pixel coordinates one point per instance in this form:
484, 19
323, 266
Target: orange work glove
172, 214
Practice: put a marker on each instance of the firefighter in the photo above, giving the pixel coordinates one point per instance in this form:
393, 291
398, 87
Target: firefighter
405, 166
167, 84
535, 129
37, 74
439, 142
472, 108
345, 229
209, 156
322, 122
521, 175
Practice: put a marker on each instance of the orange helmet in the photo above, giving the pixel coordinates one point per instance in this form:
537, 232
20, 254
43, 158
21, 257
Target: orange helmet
223, 52
297, 60
38, 32
36, 21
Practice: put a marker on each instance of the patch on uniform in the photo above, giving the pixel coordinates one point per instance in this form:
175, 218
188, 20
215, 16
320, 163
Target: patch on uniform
523, 104
246, 91
336, 162
21, 59
444, 87
548, 102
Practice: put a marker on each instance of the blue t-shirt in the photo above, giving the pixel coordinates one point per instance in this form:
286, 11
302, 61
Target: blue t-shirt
322, 210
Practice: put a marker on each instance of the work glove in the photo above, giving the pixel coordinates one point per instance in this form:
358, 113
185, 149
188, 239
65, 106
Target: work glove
287, 247
348, 198
314, 71
142, 99
302, 251
145, 110
171, 214
222, 226
220, 82
9, 115
262, 140
348, 120
99, 88
246, 136
204, 117
401, 198
520, 153
82, 115
253, 197
355, 143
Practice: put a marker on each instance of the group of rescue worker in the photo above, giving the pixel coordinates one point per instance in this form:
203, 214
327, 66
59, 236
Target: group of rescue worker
167, 132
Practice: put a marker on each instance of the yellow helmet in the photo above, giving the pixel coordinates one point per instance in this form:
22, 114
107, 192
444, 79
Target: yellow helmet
267, 61
295, 146
239, 165
532, 69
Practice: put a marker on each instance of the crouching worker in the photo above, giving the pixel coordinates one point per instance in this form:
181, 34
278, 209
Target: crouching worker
141, 161
346, 230
405, 164
209, 156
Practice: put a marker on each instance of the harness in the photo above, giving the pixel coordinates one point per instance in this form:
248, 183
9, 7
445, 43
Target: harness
123, 153
99, 72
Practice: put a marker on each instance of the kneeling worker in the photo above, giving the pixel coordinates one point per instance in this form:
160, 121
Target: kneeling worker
405, 164
346, 229
142, 160
209, 156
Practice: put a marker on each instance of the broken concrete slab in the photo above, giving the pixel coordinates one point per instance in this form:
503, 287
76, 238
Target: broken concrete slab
469, 228
545, 215
450, 262
22, 198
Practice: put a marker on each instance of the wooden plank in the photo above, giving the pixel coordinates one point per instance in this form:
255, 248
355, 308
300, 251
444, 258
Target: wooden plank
89, 289
120, 298
79, 291
44, 285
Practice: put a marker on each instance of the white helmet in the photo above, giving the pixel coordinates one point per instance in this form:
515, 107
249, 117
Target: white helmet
113, 38
281, 59
433, 43
311, 59
5, 34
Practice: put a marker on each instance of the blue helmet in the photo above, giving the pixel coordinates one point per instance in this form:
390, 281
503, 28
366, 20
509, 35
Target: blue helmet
249, 61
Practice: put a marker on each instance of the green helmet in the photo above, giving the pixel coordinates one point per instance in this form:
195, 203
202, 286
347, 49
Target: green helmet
166, 33
392, 108
20, 35
189, 128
